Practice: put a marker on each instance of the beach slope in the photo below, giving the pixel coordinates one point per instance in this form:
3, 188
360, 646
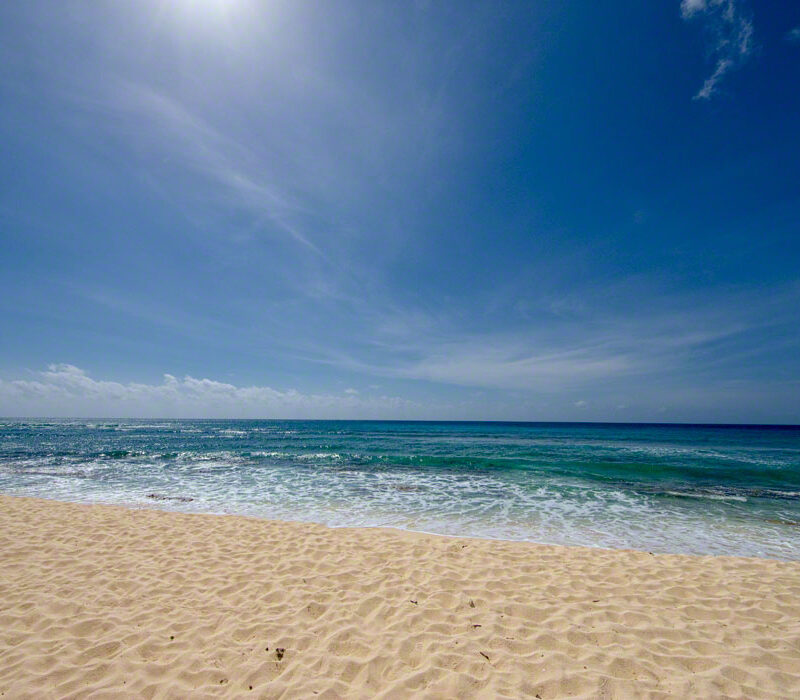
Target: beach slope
100, 601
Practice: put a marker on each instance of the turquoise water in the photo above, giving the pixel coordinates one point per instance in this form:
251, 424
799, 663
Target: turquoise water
665, 488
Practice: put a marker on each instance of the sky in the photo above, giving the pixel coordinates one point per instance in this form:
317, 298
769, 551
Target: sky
431, 210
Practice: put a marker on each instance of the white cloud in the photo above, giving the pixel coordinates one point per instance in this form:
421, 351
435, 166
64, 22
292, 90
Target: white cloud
66, 390
581, 404
690, 7
567, 356
605, 350
508, 366
731, 30
710, 83
793, 35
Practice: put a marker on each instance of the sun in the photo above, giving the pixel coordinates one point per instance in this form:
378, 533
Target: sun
208, 17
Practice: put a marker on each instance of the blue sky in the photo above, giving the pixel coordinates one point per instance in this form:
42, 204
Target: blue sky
530, 211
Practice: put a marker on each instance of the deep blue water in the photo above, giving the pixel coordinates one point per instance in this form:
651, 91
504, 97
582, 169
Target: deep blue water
665, 488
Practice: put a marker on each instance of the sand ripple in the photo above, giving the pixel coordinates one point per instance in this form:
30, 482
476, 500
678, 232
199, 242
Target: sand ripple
103, 602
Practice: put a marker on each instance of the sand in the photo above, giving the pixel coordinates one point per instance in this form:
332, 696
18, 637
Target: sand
102, 601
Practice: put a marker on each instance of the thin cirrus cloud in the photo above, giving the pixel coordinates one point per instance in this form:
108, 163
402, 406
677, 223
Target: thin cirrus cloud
793, 35
550, 365
685, 357
579, 354
67, 390
731, 37
216, 156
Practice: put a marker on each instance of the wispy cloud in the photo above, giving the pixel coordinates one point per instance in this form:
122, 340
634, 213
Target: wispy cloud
65, 389
592, 350
793, 35
555, 364
541, 362
490, 363
208, 151
731, 31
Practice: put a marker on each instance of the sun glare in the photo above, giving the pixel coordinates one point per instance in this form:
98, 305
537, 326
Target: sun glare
210, 18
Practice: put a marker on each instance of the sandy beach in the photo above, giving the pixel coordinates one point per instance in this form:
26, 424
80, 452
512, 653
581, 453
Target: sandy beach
101, 601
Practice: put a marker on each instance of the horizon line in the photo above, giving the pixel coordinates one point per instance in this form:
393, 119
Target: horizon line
416, 420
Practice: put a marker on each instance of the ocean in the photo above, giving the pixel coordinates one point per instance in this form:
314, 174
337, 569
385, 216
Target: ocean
693, 489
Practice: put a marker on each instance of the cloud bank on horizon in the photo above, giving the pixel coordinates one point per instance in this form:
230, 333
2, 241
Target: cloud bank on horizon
66, 390
444, 210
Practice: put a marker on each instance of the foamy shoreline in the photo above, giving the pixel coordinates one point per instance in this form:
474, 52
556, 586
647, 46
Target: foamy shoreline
110, 601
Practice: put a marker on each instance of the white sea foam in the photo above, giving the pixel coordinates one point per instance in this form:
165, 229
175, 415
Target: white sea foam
365, 485
708, 496
482, 505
